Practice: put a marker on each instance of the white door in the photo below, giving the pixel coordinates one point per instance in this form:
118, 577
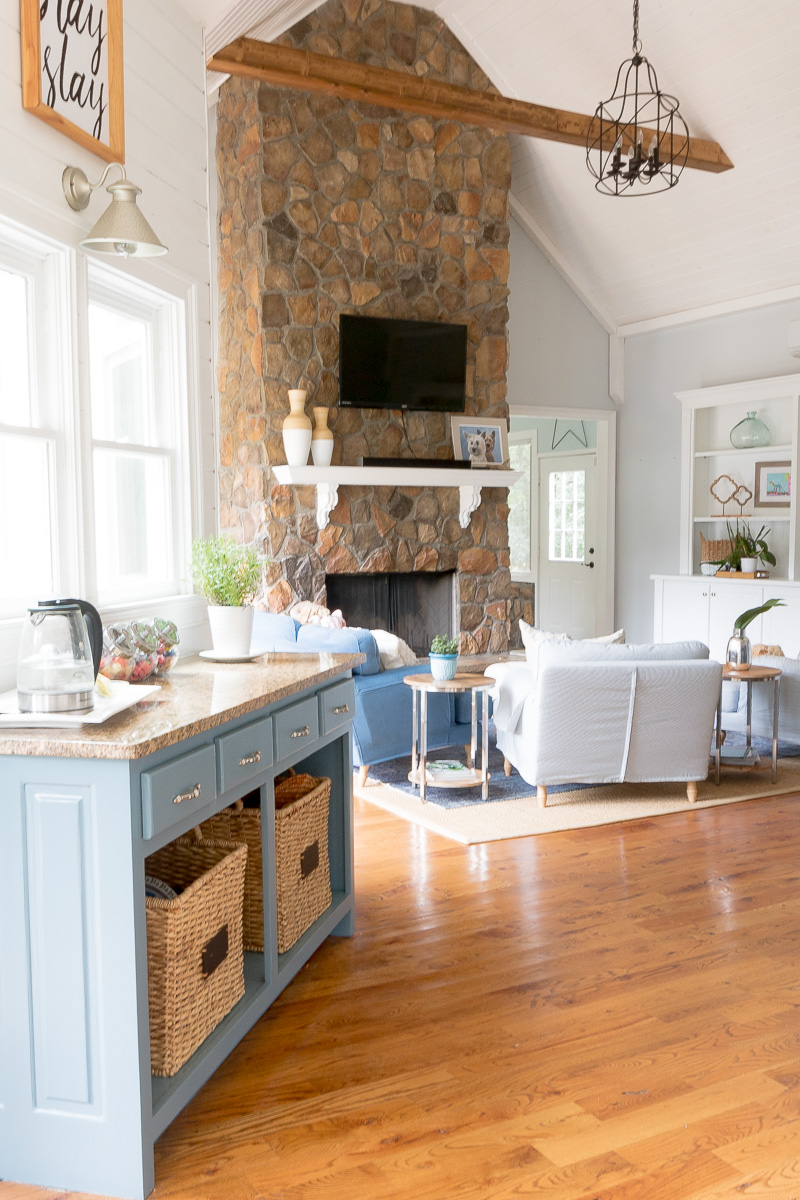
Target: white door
568, 573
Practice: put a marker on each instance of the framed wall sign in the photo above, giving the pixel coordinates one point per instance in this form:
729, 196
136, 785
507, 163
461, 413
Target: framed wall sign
72, 70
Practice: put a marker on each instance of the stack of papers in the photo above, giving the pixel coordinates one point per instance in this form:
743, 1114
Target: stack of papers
448, 770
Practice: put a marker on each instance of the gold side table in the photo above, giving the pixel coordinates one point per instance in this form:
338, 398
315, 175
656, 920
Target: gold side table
749, 676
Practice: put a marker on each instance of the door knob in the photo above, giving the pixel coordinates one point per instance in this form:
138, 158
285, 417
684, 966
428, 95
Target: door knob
589, 565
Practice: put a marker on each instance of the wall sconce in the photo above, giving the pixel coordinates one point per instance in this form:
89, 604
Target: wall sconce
121, 230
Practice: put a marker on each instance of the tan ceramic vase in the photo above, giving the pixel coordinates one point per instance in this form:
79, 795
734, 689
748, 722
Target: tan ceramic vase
321, 439
297, 429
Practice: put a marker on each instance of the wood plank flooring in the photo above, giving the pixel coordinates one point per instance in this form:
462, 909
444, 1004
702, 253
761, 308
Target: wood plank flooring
604, 1014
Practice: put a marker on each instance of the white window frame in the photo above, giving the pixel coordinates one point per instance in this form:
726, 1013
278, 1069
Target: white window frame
62, 311
530, 438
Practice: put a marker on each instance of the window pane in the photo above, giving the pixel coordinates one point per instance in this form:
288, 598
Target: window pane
26, 540
519, 504
120, 361
132, 522
15, 350
567, 515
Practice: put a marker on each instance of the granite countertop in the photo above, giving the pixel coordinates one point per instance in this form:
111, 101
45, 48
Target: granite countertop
195, 696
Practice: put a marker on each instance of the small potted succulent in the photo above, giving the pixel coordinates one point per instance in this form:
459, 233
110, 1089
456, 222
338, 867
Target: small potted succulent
444, 656
228, 574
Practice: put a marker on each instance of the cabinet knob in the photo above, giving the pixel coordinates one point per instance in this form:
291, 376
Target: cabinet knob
251, 758
190, 795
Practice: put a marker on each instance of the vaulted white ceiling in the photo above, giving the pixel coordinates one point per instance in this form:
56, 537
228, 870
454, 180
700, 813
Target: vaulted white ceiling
733, 64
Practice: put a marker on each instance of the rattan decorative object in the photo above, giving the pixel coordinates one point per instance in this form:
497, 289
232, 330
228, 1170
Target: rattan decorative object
241, 824
727, 492
194, 946
301, 855
714, 550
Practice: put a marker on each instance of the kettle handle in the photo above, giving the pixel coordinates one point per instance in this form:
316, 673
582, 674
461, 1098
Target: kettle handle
94, 627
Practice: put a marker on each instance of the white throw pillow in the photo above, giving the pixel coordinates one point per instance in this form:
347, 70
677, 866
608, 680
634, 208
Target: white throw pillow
611, 639
393, 650
533, 639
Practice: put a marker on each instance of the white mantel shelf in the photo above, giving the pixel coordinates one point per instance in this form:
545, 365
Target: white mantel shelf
327, 481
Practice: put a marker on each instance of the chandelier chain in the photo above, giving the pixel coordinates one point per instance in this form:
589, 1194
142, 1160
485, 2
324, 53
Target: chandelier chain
637, 45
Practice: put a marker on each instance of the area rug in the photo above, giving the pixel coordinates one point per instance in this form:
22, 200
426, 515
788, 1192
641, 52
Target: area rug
572, 808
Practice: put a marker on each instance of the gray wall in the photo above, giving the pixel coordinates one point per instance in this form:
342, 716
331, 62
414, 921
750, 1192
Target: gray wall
558, 352
750, 345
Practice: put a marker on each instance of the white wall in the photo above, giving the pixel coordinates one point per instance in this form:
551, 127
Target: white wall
558, 352
749, 345
166, 155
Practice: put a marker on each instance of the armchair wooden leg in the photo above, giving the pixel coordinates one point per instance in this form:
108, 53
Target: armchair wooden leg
363, 772
506, 767
541, 796
691, 791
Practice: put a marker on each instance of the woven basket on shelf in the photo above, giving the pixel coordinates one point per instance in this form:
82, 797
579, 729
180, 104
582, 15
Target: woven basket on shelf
242, 824
301, 854
712, 551
194, 946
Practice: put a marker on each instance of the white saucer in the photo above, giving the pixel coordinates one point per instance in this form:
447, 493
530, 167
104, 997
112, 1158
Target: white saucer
212, 656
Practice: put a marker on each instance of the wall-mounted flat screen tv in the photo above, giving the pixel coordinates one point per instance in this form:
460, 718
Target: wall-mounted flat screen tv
386, 363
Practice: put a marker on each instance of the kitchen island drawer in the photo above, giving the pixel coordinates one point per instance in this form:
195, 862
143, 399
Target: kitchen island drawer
182, 786
295, 727
337, 705
244, 754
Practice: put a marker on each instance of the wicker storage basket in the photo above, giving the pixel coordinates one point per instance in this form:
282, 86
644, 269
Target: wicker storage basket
194, 946
712, 551
301, 854
242, 824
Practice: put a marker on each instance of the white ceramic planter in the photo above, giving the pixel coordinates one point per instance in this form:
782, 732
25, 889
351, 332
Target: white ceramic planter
231, 629
749, 564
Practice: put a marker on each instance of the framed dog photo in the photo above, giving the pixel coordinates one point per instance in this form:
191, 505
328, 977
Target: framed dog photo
773, 485
484, 443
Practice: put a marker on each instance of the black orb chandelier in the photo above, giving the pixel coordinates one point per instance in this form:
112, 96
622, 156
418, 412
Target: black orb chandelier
638, 142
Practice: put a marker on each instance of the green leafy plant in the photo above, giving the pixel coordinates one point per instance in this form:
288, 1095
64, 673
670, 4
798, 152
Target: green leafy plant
745, 544
227, 573
741, 623
442, 644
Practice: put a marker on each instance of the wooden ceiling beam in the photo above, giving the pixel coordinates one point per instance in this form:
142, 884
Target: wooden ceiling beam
285, 66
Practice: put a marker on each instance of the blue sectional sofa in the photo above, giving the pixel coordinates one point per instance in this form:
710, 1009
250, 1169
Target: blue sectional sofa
382, 725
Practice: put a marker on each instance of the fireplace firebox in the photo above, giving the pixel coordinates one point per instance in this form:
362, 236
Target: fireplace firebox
414, 605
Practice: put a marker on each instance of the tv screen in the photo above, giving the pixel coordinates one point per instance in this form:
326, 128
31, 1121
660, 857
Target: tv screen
386, 363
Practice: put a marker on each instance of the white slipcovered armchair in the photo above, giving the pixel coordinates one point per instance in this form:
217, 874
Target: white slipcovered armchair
608, 714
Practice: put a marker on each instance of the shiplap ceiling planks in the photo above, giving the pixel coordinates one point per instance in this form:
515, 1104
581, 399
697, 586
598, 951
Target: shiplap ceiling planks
732, 64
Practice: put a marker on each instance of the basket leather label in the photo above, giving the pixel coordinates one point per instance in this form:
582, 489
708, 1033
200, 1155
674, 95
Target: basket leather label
215, 951
309, 859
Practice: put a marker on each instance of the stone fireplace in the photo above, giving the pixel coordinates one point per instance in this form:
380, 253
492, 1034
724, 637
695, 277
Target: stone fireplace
330, 206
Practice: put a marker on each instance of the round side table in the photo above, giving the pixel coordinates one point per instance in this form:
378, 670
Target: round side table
749, 676
477, 686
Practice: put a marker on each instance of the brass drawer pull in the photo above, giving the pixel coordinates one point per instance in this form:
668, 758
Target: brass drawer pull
304, 732
342, 708
251, 758
192, 795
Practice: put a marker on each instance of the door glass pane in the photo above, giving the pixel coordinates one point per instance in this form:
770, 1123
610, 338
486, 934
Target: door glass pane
519, 505
566, 516
26, 540
15, 350
132, 507
120, 365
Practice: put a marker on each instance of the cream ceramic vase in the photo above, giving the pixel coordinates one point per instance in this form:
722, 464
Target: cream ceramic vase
297, 430
321, 439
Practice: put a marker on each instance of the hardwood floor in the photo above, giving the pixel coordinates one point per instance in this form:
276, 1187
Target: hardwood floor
605, 1014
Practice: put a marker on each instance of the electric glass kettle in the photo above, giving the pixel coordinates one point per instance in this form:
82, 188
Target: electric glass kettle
59, 657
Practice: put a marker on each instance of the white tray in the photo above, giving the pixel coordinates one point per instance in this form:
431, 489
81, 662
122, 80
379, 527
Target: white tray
123, 695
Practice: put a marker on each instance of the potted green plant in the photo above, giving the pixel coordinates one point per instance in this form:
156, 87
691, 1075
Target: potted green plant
747, 549
228, 574
444, 656
738, 654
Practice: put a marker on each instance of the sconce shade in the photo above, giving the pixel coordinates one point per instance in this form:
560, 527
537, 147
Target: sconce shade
122, 230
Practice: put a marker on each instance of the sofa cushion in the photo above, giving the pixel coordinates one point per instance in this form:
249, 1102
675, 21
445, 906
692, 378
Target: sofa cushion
316, 639
274, 632
574, 652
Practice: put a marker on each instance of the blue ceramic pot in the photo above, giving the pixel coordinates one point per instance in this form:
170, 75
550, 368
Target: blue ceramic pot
443, 666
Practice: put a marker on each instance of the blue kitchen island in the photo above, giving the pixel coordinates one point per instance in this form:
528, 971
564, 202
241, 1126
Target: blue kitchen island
80, 810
